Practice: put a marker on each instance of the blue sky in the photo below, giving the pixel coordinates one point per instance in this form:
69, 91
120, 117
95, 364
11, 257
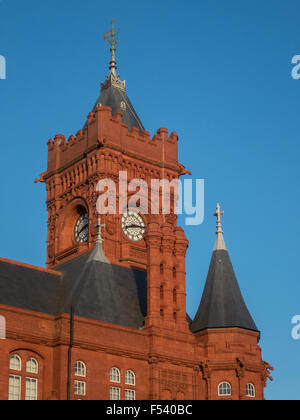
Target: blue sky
219, 74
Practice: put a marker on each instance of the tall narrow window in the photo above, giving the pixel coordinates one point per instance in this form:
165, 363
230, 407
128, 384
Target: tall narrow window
79, 388
14, 389
2, 328
80, 369
31, 389
161, 269
114, 393
250, 390
115, 375
129, 394
161, 292
174, 296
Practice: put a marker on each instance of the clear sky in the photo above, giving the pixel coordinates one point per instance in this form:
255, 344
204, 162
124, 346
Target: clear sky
216, 72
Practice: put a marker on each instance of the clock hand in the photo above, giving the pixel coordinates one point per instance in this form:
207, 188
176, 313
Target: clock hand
133, 226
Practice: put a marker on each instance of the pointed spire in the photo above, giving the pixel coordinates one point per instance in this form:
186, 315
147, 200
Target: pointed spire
113, 90
222, 304
220, 243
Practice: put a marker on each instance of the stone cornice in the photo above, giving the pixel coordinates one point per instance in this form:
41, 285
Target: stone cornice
111, 146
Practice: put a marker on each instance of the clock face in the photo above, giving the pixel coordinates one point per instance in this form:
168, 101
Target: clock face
82, 229
133, 226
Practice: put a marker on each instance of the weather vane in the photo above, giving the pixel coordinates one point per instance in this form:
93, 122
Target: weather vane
113, 43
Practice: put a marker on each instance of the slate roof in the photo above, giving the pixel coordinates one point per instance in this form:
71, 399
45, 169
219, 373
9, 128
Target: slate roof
103, 291
222, 304
98, 290
24, 287
112, 96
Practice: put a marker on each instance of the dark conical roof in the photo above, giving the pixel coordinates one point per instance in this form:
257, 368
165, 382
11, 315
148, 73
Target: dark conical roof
113, 94
222, 304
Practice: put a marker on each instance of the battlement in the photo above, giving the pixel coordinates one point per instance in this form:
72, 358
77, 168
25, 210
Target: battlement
107, 130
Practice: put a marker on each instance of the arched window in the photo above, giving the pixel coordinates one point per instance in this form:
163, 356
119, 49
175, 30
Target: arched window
24, 385
129, 378
250, 390
224, 389
80, 369
15, 362
115, 375
32, 366
2, 328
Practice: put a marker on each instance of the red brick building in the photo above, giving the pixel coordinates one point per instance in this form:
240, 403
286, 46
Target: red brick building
107, 318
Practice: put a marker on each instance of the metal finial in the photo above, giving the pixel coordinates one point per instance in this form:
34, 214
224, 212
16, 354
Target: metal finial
218, 214
112, 42
99, 227
220, 244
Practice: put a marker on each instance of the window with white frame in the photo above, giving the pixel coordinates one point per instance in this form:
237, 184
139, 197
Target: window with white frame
114, 393
129, 394
80, 369
31, 389
2, 328
14, 388
79, 388
15, 362
129, 378
32, 366
250, 390
115, 375
224, 389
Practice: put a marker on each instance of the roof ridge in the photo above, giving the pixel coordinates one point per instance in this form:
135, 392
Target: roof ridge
31, 267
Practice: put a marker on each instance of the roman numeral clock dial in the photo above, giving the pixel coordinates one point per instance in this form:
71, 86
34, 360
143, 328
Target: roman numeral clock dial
133, 226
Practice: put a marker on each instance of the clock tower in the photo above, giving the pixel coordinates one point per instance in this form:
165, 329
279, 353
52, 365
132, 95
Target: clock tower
113, 141
107, 318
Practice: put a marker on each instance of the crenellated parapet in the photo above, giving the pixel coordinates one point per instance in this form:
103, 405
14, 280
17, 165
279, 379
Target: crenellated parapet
103, 129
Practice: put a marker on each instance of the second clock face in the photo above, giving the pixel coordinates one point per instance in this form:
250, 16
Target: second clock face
133, 226
82, 229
